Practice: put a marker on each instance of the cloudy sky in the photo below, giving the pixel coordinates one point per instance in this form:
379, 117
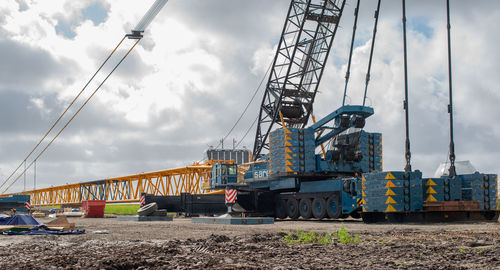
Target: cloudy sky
188, 80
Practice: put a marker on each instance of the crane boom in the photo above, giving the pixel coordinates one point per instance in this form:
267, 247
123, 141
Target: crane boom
298, 66
147, 19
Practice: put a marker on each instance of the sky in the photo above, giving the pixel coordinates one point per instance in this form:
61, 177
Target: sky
187, 82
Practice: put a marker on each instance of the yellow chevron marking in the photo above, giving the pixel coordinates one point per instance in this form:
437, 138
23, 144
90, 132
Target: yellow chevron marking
362, 202
288, 163
288, 169
390, 184
287, 150
288, 156
363, 178
390, 193
364, 210
430, 183
363, 193
430, 190
390, 208
363, 185
390, 200
389, 176
287, 138
287, 131
287, 143
431, 199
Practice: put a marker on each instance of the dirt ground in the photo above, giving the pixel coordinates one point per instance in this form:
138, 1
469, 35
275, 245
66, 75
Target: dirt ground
183, 245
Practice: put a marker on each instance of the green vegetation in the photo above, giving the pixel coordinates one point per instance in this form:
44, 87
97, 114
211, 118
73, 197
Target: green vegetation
121, 209
310, 237
344, 237
341, 236
461, 250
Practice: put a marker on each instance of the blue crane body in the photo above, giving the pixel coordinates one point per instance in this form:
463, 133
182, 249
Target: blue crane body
294, 181
347, 179
333, 168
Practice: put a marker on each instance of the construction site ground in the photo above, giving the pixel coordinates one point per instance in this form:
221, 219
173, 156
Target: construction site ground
112, 244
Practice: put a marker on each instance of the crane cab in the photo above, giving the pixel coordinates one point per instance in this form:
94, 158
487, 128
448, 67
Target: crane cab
223, 174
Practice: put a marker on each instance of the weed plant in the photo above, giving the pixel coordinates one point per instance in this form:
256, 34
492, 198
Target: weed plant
340, 236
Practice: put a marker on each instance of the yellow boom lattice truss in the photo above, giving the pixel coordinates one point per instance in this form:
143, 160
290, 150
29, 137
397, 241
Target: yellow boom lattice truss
126, 188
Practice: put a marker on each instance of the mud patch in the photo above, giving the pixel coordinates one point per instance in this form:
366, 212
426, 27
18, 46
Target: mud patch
378, 250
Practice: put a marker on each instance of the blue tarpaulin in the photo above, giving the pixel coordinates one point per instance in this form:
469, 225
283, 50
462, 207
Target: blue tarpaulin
19, 220
42, 229
37, 228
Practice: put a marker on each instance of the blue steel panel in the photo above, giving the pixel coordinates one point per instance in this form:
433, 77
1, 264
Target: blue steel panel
321, 186
283, 183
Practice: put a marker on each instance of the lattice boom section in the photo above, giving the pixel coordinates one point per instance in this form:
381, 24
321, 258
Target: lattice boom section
125, 189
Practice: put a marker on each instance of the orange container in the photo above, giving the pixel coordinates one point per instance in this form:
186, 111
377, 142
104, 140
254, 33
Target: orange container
94, 208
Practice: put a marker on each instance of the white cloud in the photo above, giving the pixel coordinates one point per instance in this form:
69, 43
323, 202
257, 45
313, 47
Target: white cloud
188, 80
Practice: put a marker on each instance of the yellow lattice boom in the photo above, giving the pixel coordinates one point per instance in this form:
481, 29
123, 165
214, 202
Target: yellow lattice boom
128, 188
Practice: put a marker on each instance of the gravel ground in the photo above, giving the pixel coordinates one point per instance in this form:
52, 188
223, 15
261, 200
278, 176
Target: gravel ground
183, 245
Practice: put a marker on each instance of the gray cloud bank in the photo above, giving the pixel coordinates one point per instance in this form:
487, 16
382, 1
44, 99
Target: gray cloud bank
102, 143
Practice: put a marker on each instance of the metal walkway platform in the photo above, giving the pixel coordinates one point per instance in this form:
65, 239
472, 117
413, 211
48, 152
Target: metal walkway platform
234, 220
144, 218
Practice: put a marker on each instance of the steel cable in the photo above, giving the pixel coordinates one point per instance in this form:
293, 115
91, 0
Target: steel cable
371, 51
248, 130
248, 105
253, 96
74, 115
62, 115
348, 72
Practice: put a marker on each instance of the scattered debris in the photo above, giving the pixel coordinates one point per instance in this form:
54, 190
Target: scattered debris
41, 229
183, 245
148, 209
27, 224
38, 214
62, 222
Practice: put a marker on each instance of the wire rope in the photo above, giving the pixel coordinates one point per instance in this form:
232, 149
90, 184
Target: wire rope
371, 51
74, 115
246, 107
348, 72
248, 130
62, 115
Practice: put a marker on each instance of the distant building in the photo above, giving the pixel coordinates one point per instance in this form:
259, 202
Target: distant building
240, 156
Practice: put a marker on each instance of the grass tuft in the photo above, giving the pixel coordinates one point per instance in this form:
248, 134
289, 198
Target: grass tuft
340, 236
121, 209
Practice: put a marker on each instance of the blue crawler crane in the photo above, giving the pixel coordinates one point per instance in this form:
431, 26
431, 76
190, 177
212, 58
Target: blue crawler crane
292, 180
333, 168
345, 180
298, 177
